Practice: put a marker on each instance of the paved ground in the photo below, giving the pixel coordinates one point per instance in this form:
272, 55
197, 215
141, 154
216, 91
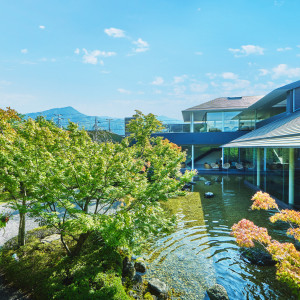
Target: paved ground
11, 230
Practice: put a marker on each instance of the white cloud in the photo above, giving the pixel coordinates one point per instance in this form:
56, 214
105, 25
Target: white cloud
264, 86
77, 51
214, 84
92, 57
211, 75
141, 46
115, 32
24, 51
284, 70
158, 81
229, 75
278, 3
199, 53
42, 27
198, 87
123, 91
178, 79
237, 84
157, 92
247, 50
263, 72
4, 83
179, 90
284, 49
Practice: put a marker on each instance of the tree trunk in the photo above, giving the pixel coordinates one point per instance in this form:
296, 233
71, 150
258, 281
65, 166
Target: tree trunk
82, 238
21, 234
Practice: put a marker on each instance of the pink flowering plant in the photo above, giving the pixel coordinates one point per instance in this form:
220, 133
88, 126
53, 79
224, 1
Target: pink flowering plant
287, 257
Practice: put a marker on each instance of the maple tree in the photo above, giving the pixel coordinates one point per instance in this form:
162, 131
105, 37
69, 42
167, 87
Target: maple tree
286, 255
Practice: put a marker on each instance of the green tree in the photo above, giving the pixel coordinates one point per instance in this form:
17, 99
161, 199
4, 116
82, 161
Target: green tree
79, 186
19, 164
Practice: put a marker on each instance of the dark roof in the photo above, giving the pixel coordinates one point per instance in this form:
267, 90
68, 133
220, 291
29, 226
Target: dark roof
226, 103
283, 133
273, 97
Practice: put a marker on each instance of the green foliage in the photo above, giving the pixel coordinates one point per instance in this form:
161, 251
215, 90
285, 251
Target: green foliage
78, 186
44, 270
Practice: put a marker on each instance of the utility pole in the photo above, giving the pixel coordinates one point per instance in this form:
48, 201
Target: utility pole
109, 124
58, 120
96, 128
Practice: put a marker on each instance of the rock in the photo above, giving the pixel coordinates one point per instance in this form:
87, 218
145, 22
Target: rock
51, 238
137, 278
186, 187
140, 267
137, 281
217, 292
128, 268
158, 288
209, 195
207, 182
133, 294
257, 257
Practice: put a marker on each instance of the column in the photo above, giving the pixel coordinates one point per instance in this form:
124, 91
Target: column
192, 121
223, 162
291, 175
258, 167
193, 157
265, 169
265, 159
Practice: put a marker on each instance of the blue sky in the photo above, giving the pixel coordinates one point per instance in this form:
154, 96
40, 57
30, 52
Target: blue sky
112, 57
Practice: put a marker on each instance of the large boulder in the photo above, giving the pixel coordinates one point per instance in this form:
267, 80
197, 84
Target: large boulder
257, 257
128, 268
217, 292
158, 288
140, 267
51, 238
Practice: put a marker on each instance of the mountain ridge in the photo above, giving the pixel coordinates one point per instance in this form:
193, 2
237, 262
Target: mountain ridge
69, 113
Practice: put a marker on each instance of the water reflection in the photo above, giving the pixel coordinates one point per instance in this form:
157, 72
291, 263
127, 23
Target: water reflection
201, 251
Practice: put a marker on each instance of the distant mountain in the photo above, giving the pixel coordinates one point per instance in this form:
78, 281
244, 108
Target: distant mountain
66, 114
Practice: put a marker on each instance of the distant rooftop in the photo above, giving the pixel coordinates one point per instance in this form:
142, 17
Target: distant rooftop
220, 104
226, 103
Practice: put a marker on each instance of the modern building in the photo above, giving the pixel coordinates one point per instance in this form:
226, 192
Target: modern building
259, 133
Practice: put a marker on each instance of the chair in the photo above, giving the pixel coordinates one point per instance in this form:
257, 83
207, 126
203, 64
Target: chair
239, 166
226, 166
207, 166
214, 166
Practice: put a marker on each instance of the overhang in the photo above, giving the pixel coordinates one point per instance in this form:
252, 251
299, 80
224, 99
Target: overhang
282, 133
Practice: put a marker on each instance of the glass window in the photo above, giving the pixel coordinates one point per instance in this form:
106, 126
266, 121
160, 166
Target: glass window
231, 124
214, 121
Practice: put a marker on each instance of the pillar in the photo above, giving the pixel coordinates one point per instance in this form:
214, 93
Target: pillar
291, 175
223, 162
193, 157
192, 122
265, 159
258, 167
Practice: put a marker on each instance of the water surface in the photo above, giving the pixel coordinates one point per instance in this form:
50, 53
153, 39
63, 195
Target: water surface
202, 252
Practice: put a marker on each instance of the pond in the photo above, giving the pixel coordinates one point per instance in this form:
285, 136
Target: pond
201, 251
